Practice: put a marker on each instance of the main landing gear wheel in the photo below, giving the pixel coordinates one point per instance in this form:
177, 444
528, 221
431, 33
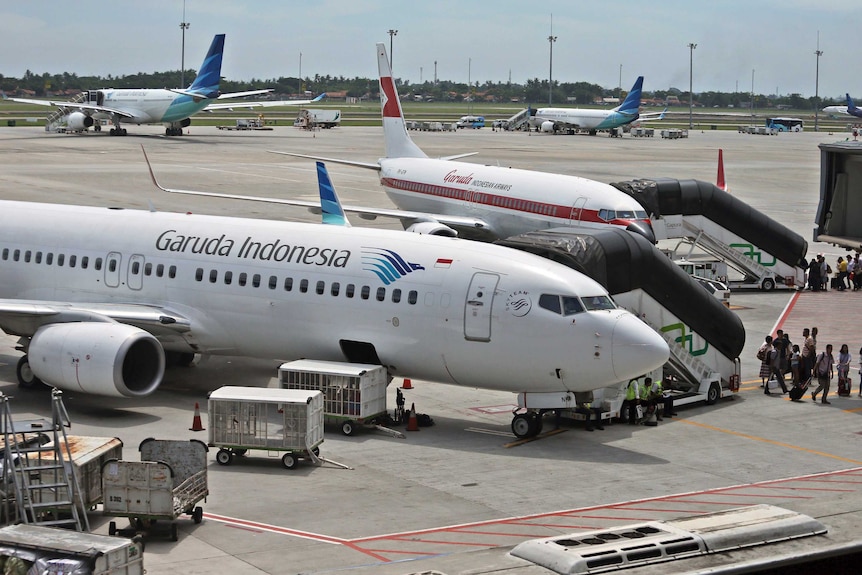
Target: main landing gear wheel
26, 378
526, 425
118, 131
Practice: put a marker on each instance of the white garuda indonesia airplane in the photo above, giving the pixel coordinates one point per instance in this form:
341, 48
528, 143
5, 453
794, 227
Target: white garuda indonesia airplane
850, 109
173, 108
446, 197
570, 120
97, 305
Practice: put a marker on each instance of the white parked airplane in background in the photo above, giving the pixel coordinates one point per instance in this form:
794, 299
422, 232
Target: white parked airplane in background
850, 109
445, 197
174, 108
99, 303
592, 120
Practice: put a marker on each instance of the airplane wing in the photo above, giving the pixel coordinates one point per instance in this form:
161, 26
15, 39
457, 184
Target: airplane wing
71, 106
24, 317
259, 104
652, 116
476, 227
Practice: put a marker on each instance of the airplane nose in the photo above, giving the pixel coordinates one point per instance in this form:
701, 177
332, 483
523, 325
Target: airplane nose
637, 348
642, 228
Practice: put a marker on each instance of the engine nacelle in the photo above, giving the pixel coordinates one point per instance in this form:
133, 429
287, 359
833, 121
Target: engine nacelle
432, 228
78, 121
549, 126
110, 359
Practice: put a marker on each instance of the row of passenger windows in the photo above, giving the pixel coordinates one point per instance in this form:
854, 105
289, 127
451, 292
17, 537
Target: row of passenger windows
304, 286
83, 262
482, 198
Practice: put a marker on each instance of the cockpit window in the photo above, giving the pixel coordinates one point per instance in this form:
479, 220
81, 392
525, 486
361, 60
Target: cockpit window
597, 302
561, 304
571, 305
550, 303
607, 215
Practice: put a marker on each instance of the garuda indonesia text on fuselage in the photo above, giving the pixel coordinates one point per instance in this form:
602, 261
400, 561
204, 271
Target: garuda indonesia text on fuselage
173, 108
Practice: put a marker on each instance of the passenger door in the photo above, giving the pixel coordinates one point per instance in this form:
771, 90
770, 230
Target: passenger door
478, 307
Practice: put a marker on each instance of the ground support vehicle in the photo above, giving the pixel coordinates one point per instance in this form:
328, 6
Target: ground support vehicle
252, 124
169, 481
354, 394
286, 422
315, 118
37, 549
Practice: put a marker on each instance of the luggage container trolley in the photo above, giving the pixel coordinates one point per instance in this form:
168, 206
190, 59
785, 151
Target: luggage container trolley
169, 481
354, 394
285, 422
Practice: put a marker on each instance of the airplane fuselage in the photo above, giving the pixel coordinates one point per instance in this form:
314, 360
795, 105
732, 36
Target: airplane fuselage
151, 106
583, 119
432, 308
511, 201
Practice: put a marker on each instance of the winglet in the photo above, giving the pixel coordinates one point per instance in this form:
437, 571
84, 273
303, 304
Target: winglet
320, 97
206, 83
330, 205
152, 174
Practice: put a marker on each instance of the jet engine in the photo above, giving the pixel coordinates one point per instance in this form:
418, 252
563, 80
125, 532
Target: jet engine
78, 121
549, 126
432, 228
110, 359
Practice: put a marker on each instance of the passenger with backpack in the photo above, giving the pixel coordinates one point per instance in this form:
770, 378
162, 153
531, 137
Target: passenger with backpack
823, 372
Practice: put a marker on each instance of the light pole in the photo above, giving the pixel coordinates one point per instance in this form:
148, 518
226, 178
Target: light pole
691, 48
183, 26
818, 53
551, 40
392, 34
300, 75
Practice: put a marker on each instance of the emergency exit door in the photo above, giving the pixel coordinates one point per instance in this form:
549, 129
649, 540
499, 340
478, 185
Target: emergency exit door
478, 308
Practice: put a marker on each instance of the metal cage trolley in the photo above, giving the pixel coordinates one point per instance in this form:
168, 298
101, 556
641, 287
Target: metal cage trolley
169, 481
285, 422
353, 393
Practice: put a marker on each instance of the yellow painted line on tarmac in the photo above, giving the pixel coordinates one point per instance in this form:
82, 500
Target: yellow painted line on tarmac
770, 441
537, 437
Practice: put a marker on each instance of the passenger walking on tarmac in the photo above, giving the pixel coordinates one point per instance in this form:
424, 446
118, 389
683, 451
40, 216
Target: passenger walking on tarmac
629, 409
814, 275
809, 351
775, 369
584, 400
763, 356
842, 274
825, 270
823, 371
843, 367
860, 372
857, 272
796, 364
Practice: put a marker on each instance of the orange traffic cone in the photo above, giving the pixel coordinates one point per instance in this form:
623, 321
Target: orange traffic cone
412, 422
407, 384
196, 421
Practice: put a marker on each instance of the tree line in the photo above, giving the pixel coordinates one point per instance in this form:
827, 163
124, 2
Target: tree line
533, 91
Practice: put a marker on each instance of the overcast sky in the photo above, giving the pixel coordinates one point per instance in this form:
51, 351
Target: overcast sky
605, 43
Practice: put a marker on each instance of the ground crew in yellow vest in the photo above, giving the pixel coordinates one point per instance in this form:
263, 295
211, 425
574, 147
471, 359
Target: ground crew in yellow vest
629, 411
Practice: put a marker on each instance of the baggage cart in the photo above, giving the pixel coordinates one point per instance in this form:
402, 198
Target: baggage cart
354, 394
37, 549
169, 481
284, 422
86, 455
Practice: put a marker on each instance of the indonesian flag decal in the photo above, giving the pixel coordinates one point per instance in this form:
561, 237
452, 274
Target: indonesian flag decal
391, 107
443, 263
